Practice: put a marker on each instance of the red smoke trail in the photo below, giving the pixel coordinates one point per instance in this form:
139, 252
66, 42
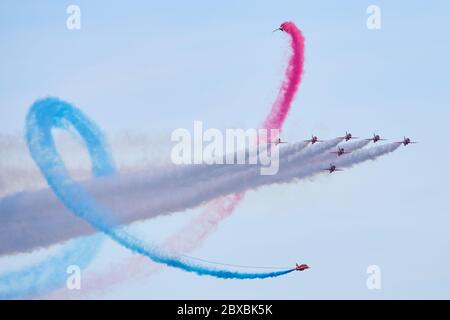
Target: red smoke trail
191, 236
275, 119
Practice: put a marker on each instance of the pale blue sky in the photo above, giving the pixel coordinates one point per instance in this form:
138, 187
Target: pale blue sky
155, 66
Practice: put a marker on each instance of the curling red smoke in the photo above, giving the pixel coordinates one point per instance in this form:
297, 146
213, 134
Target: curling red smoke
192, 235
293, 77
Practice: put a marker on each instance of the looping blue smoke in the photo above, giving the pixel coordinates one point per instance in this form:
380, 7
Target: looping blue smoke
50, 273
51, 112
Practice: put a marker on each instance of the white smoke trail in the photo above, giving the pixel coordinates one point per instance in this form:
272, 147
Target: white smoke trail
137, 196
133, 152
172, 189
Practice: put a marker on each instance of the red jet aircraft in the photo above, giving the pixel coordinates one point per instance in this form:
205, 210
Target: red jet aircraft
340, 151
406, 141
348, 136
332, 168
278, 141
313, 140
376, 137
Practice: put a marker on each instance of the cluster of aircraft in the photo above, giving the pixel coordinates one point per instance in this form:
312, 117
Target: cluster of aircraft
332, 168
341, 151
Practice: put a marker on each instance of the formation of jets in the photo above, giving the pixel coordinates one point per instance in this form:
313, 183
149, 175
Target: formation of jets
341, 151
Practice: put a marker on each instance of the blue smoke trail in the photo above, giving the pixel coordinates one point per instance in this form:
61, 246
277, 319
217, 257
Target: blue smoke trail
52, 112
49, 274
